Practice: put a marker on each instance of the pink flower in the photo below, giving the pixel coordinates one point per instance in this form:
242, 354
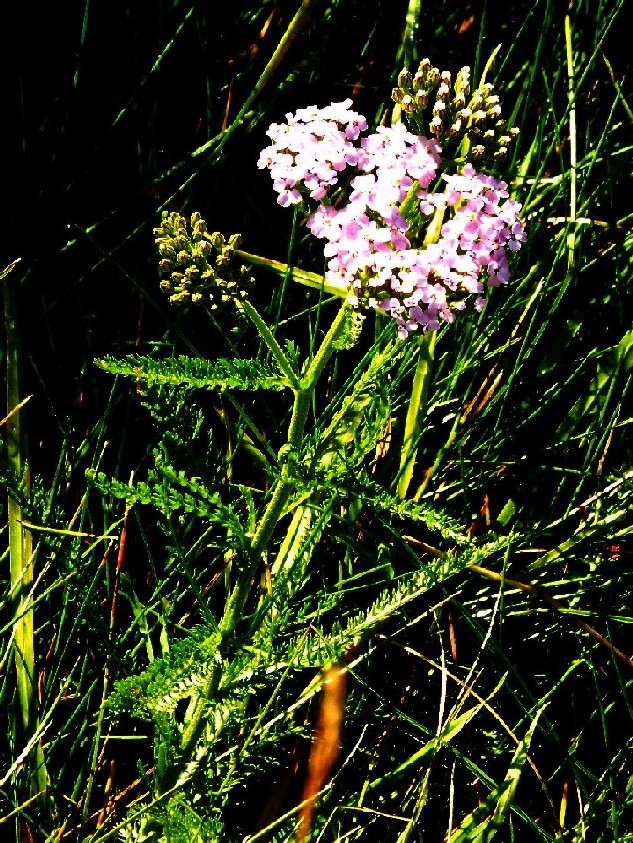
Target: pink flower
368, 241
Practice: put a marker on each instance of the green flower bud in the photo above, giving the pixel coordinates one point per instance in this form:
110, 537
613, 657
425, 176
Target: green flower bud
433, 77
405, 79
435, 126
462, 82
421, 99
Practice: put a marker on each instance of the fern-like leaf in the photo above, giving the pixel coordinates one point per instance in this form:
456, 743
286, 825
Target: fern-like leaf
196, 373
171, 491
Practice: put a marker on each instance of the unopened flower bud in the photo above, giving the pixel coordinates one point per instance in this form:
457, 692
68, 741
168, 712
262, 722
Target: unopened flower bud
435, 126
405, 79
202, 249
407, 103
418, 81
167, 250
198, 227
443, 91
455, 129
424, 66
397, 95
421, 99
433, 77
462, 82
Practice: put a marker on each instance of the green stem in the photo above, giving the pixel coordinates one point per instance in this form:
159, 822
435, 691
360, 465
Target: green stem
571, 95
21, 554
234, 608
320, 359
302, 276
416, 411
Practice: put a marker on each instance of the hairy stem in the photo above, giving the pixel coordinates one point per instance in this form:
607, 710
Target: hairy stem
234, 608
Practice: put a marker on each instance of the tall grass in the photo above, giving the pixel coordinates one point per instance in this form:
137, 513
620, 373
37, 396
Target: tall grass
472, 588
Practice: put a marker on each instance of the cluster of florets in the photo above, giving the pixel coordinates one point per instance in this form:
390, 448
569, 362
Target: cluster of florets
311, 149
469, 123
198, 267
398, 196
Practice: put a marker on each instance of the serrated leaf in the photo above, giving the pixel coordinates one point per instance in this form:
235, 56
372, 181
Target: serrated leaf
197, 373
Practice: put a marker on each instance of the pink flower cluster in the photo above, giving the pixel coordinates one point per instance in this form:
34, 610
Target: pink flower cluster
311, 149
369, 238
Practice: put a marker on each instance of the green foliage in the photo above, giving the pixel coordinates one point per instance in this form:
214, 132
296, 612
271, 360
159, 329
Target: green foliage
167, 680
170, 490
178, 670
196, 373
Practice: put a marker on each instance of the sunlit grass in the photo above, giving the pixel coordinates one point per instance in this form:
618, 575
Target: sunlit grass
461, 672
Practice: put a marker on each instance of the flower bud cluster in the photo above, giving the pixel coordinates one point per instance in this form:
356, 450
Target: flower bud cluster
468, 123
198, 267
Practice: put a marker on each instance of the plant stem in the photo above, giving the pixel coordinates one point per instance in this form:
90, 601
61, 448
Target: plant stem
416, 411
21, 554
234, 608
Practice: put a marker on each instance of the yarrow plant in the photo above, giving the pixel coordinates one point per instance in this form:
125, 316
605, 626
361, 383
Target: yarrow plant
410, 238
